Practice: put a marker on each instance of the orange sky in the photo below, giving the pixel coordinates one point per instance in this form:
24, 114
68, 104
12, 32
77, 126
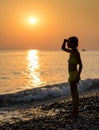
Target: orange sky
55, 20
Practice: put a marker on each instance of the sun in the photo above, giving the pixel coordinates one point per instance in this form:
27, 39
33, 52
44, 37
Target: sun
32, 20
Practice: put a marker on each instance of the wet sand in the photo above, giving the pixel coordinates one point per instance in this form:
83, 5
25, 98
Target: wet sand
53, 115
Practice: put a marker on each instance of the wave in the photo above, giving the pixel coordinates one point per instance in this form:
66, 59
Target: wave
48, 92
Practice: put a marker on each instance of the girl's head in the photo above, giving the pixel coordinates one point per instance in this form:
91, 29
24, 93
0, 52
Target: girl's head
72, 42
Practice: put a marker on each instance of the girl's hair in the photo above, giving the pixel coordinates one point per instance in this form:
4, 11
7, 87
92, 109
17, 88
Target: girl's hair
73, 40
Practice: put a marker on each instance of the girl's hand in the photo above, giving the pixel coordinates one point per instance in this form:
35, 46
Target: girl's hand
65, 40
78, 78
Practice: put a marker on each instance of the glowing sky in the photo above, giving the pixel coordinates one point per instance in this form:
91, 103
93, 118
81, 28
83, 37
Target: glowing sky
43, 24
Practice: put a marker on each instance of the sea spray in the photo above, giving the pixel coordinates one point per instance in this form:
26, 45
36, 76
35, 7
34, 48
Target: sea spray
47, 92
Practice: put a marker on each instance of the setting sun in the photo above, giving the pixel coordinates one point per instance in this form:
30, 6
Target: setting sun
32, 20
43, 24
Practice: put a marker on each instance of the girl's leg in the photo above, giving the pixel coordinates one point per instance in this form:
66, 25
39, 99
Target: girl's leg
75, 98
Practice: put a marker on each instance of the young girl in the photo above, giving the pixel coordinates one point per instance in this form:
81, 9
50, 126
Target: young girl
74, 68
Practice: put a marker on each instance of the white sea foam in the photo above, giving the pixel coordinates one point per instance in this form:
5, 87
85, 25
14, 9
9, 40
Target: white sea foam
48, 92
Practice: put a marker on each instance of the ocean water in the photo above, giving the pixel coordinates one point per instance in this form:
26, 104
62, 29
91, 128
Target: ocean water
33, 76
25, 70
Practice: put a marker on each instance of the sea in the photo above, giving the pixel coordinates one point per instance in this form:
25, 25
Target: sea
38, 75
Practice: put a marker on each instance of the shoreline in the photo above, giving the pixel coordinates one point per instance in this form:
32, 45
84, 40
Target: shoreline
53, 115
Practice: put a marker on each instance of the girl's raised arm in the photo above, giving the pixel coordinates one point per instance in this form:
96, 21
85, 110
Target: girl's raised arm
64, 46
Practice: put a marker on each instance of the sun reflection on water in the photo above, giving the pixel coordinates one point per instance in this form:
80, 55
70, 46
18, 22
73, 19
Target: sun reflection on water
33, 69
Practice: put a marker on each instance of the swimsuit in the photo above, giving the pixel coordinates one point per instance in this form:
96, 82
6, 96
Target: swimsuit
73, 67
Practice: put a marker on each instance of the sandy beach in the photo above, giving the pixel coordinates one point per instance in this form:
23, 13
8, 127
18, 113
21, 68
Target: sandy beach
53, 115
